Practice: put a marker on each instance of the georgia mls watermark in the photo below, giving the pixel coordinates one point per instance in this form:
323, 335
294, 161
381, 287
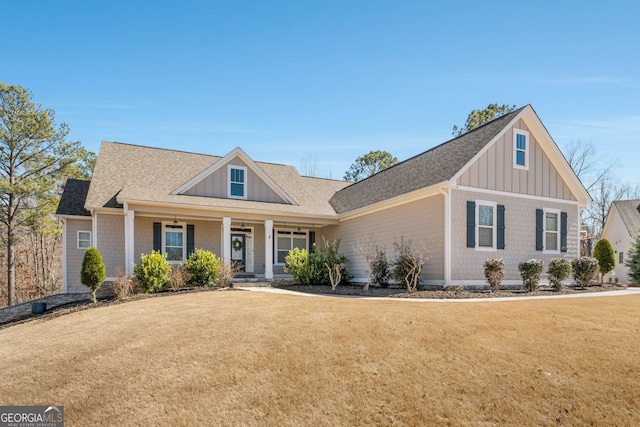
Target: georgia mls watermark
31, 416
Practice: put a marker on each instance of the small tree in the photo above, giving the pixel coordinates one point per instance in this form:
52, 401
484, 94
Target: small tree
559, 269
409, 263
93, 271
494, 272
633, 260
583, 270
152, 272
603, 252
530, 271
203, 268
380, 269
365, 246
333, 261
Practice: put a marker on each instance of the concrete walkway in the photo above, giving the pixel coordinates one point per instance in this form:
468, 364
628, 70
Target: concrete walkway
623, 292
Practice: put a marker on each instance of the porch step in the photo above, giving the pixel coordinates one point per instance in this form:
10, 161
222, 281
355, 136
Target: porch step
251, 283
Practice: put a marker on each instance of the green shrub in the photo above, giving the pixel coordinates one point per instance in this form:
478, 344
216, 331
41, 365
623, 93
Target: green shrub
408, 265
603, 252
633, 260
153, 271
380, 269
558, 270
494, 272
93, 271
313, 268
583, 270
203, 268
530, 271
333, 261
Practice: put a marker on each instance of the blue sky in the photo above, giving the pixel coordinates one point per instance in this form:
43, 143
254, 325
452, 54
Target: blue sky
322, 82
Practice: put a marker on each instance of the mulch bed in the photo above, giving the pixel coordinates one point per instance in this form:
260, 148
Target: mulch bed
455, 293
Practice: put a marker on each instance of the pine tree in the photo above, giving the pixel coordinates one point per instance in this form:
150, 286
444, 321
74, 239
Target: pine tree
633, 260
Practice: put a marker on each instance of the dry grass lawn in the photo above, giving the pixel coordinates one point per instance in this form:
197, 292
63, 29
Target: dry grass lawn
244, 358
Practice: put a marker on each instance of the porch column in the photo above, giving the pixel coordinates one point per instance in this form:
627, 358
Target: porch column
129, 249
268, 249
226, 239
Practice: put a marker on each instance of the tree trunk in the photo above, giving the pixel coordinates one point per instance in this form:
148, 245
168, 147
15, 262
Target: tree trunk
11, 265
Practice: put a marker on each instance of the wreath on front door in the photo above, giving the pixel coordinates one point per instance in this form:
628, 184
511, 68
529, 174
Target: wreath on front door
236, 244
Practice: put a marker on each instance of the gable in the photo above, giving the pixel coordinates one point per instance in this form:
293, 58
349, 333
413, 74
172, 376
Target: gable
215, 181
495, 169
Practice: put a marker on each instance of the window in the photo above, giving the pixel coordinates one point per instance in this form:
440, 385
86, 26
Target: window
173, 241
84, 239
289, 240
520, 149
486, 226
551, 230
620, 257
237, 182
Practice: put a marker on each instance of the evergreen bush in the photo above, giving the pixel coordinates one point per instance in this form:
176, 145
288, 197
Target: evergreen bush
633, 260
93, 271
153, 272
530, 271
603, 252
203, 268
583, 270
494, 272
380, 269
558, 270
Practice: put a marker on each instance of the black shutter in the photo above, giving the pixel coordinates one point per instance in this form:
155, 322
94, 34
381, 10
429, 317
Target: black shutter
157, 236
471, 224
539, 229
563, 232
312, 241
190, 239
500, 226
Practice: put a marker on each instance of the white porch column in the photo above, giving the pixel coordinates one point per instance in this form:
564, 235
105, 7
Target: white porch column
447, 237
268, 249
226, 239
129, 240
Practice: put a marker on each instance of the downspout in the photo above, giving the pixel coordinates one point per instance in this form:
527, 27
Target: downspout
64, 255
446, 193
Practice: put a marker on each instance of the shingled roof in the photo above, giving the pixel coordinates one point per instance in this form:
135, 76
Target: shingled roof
73, 198
436, 165
630, 213
146, 174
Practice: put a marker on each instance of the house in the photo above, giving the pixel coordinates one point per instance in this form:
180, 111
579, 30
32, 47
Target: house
620, 229
503, 190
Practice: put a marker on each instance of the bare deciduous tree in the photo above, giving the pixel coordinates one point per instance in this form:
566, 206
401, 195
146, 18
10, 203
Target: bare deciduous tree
366, 246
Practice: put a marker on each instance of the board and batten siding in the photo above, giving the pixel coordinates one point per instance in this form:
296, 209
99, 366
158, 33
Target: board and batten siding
520, 234
494, 170
216, 185
111, 241
75, 255
421, 221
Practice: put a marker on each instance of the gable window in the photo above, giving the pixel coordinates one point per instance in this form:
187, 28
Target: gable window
288, 240
486, 225
551, 230
84, 239
237, 182
173, 241
520, 149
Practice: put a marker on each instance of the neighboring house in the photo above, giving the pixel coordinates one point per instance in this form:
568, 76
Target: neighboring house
620, 229
503, 190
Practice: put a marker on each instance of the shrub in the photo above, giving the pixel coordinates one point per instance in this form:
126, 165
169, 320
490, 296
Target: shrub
530, 271
122, 286
583, 270
494, 272
633, 260
313, 268
228, 271
153, 271
603, 252
93, 271
409, 262
380, 269
558, 270
179, 277
203, 268
333, 260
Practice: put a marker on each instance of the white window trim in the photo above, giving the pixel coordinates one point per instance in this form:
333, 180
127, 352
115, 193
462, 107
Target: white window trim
494, 205
184, 240
544, 230
246, 181
84, 240
292, 230
517, 132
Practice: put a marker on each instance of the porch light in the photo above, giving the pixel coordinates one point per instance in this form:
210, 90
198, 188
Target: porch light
175, 220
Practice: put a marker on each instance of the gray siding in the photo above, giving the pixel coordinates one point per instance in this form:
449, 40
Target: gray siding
421, 221
494, 170
616, 232
216, 185
111, 241
75, 255
520, 234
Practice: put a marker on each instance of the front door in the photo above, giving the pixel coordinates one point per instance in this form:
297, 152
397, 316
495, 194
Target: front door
239, 250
